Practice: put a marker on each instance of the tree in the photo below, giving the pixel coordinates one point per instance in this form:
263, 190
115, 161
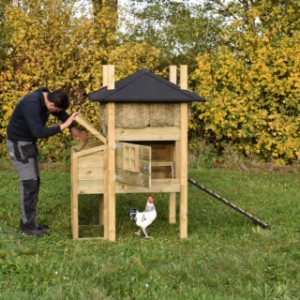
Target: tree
98, 5
49, 45
4, 36
252, 82
178, 29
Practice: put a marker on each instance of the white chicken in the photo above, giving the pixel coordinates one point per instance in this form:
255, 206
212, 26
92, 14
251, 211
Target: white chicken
145, 218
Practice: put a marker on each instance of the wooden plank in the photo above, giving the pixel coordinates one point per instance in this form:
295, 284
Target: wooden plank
110, 188
92, 144
105, 196
183, 77
183, 172
148, 134
173, 74
157, 186
86, 145
172, 208
101, 210
93, 160
79, 119
74, 199
90, 173
110, 77
90, 186
89, 151
90, 238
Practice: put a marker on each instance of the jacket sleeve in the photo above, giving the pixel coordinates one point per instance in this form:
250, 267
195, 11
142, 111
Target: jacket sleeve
36, 125
63, 116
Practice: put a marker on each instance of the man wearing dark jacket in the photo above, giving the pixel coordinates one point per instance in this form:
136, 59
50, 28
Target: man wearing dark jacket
26, 125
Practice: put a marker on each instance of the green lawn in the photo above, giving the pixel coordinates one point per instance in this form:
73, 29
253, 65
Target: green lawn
225, 256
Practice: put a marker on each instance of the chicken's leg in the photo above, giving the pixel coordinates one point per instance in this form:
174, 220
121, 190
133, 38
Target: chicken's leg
146, 236
138, 233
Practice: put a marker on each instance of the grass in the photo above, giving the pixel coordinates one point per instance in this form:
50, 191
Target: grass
225, 256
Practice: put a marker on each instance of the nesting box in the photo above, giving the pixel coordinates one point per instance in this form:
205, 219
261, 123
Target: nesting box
141, 147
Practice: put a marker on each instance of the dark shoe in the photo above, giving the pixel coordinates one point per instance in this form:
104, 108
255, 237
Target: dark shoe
42, 226
35, 232
31, 229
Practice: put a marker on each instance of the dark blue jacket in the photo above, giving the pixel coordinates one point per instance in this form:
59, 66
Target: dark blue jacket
30, 117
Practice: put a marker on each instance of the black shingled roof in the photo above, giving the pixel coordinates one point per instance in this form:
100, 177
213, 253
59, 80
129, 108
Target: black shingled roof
144, 86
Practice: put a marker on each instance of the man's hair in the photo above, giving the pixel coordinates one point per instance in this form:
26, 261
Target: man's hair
59, 98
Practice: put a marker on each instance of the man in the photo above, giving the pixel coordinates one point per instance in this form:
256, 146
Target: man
26, 125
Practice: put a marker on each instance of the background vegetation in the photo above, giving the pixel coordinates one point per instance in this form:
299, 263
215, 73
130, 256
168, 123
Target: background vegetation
243, 57
225, 256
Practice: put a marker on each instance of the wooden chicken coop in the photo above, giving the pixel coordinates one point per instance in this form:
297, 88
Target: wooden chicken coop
141, 148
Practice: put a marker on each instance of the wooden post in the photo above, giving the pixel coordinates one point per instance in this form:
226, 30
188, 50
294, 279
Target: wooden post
103, 200
111, 166
74, 198
173, 74
172, 196
105, 194
184, 158
183, 77
110, 77
101, 210
104, 76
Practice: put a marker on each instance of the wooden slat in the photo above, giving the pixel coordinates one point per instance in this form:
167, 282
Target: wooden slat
90, 187
93, 160
157, 186
110, 77
90, 173
101, 210
110, 188
183, 172
74, 199
90, 238
79, 119
183, 77
89, 151
172, 208
105, 196
148, 134
173, 74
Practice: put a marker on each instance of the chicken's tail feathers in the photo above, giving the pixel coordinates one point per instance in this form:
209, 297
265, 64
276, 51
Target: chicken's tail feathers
132, 213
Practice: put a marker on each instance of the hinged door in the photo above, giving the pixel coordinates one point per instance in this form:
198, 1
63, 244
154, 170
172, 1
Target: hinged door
133, 164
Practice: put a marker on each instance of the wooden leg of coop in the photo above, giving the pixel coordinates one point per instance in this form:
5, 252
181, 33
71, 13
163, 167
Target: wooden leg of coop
75, 225
101, 208
105, 217
74, 198
111, 167
172, 208
183, 172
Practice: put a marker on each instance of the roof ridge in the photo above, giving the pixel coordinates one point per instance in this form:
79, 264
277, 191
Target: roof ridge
155, 89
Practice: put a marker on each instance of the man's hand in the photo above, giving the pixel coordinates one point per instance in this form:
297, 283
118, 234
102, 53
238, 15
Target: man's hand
79, 134
69, 121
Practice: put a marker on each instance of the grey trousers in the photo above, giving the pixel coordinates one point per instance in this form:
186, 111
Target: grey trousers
24, 157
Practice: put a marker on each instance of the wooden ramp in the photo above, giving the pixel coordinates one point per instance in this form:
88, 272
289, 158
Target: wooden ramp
226, 202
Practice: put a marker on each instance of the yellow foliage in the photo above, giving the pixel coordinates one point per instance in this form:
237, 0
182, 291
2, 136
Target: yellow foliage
252, 92
50, 46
